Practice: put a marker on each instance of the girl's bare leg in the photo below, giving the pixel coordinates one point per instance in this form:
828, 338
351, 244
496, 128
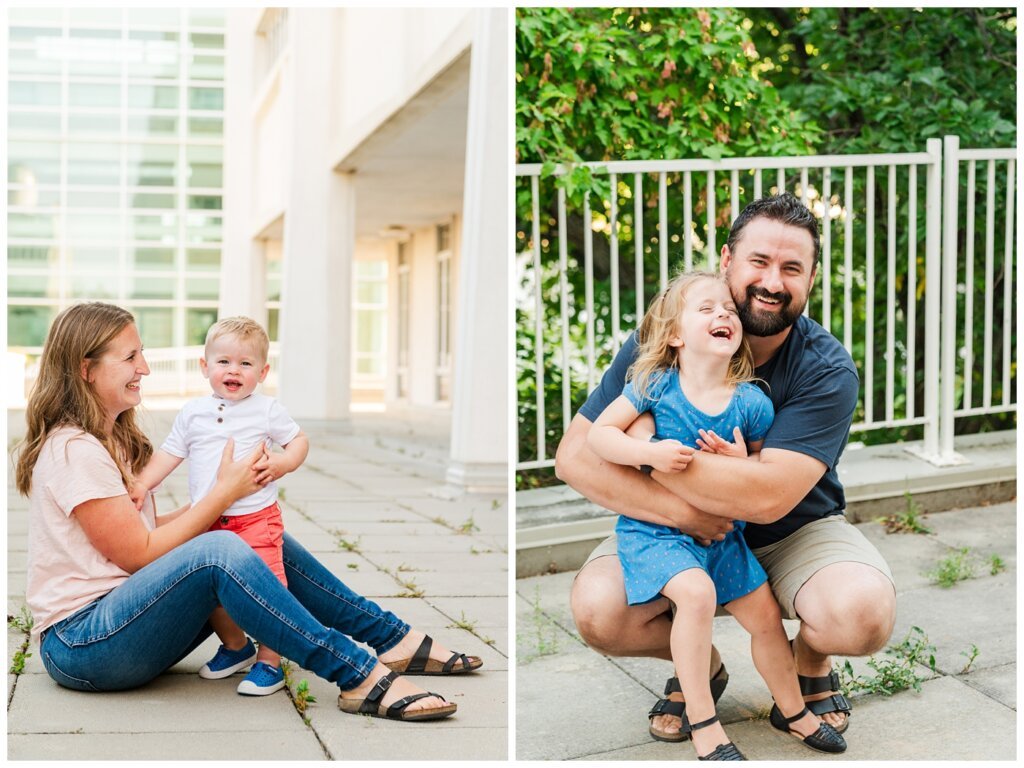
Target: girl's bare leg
229, 633
758, 613
693, 593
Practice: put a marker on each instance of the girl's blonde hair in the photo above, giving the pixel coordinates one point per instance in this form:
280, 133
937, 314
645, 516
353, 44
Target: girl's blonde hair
61, 397
661, 324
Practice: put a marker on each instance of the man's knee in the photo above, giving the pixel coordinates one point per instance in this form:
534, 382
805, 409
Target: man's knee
853, 614
597, 601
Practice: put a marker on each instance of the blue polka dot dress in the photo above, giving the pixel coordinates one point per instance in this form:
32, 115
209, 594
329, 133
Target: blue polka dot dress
652, 554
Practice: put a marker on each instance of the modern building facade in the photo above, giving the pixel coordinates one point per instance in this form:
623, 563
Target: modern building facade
366, 217
114, 173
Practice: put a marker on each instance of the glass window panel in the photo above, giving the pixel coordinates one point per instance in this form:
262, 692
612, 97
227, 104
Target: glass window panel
162, 228
152, 57
109, 123
33, 197
28, 34
202, 229
110, 16
371, 292
28, 94
372, 365
152, 125
206, 67
94, 199
206, 126
153, 200
202, 288
28, 326
206, 17
34, 122
206, 40
205, 202
273, 287
155, 324
94, 95
370, 330
95, 58
33, 286
273, 323
36, 162
35, 225
37, 15
153, 96
377, 268
197, 323
206, 98
146, 287
31, 61
164, 35
96, 163
38, 256
201, 260
152, 165
154, 17
94, 226
205, 166
93, 285
151, 258
84, 257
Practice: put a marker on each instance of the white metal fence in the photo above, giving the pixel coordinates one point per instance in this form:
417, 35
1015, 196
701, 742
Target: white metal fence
910, 199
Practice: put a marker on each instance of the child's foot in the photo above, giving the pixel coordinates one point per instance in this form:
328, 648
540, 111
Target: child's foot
226, 661
262, 680
706, 739
809, 729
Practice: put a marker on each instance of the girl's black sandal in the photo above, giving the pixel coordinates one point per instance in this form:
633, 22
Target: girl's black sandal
825, 739
727, 751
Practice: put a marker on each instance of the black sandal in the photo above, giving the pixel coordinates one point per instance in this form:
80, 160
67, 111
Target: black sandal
837, 702
825, 739
372, 706
422, 664
678, 708
727, 751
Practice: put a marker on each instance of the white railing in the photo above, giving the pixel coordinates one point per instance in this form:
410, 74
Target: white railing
855, 269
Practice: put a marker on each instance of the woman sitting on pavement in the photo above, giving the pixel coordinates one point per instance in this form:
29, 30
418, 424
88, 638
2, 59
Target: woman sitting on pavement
119, 596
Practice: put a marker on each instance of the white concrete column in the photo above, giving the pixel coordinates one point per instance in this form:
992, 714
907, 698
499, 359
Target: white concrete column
242, 288
479, 447
319, 237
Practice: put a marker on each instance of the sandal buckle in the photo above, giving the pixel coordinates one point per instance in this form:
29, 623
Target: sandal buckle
840, 703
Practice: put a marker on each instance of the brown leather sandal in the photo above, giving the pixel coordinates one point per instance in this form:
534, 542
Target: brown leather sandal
373, 707
422, 664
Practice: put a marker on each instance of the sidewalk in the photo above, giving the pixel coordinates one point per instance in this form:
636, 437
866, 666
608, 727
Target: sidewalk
365, 501
573, 703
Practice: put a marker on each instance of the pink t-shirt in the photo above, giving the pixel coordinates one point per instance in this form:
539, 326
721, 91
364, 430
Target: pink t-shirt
65, 571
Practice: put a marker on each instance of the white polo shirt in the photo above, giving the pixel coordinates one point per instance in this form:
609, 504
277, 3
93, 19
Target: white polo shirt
204, 425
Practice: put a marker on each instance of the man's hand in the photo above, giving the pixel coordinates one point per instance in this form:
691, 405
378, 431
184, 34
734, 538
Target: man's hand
704, 528
669, 455
712, 443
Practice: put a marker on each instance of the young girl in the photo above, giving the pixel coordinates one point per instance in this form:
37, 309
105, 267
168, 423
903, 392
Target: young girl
692, 373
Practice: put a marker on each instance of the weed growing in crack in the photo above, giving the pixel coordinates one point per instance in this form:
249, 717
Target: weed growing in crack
896, 673
910, 521
958, 566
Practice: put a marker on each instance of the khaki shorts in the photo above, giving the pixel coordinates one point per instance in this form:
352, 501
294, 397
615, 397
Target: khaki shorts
793, 560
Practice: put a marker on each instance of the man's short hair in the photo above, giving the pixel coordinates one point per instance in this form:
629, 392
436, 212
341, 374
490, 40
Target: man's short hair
246, 330
785, 208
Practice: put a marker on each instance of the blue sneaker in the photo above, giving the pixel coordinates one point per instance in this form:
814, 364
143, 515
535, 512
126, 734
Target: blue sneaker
262, 680
225, 662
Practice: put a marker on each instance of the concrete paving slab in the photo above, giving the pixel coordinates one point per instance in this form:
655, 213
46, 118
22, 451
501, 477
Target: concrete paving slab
909, 555
487, 610
232, 744
999, 683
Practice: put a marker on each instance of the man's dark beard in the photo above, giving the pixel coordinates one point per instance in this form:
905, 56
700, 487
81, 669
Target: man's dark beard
760, 323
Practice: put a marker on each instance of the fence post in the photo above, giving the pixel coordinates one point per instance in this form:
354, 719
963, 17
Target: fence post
932, 277
950, 223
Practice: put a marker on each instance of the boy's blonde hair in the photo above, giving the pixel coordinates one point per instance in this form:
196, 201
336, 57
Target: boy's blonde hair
246, 330
661, 324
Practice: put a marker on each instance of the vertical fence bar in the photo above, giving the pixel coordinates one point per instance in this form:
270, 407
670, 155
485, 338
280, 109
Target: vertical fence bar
638, 242
932, 271
662, 231
712, 256
563, 290
687, 222
588, 288
614, 257
757, 184
869, 301
780, 179
538, 326
890, 301
848, 262
969, 288
950, 212
990, 240
1008, 283
911, 368
734, 196
804, 195
826, 250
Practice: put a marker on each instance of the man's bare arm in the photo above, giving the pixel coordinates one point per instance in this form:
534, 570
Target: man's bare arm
626, 490
758, 491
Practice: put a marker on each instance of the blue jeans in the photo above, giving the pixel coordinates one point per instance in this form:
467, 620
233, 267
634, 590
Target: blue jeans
159, 615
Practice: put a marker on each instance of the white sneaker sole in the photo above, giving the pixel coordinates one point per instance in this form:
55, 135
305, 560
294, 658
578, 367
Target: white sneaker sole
208, 674
248, 688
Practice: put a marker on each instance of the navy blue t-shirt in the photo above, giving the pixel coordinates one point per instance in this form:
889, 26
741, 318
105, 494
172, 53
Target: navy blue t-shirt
813, 384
